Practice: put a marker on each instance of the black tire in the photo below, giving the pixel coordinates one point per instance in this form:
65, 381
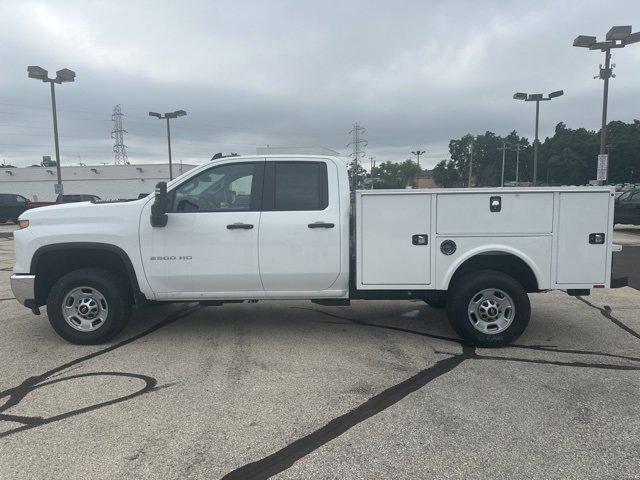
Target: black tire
3, 220
463, 292
110, 286
15, 221
436, 299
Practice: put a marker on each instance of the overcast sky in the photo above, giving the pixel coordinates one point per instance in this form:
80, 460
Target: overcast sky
298, 73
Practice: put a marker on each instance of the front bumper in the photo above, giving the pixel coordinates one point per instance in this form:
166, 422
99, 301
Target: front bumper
23, 288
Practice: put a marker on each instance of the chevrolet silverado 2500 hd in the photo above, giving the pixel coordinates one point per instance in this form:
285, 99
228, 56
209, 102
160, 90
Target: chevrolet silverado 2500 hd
285, 227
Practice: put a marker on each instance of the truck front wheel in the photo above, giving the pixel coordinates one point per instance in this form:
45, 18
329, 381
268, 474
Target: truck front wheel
488, 308
89, 306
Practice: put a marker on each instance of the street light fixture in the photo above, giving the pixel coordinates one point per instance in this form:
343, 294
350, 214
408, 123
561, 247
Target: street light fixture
536, 97
62, 76
617, 37
168, 116
417, 153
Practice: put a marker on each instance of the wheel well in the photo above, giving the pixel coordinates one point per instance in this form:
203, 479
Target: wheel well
52, 263
502, 262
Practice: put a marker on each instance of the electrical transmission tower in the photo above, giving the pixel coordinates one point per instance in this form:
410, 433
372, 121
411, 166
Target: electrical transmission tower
357, 143
119, 148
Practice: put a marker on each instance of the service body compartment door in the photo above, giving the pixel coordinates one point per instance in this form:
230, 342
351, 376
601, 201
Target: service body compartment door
395, 240
526, 213
581, 258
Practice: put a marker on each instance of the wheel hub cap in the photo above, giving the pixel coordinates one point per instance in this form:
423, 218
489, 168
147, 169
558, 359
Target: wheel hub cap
85, 309
491, 311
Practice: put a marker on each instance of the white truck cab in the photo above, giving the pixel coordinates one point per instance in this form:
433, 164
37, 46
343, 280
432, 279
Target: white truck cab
285, 227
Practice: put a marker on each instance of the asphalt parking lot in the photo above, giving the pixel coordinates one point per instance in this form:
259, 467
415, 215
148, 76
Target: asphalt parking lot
292, 390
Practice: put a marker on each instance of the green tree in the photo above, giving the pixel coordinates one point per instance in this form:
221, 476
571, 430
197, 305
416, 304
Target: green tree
357, 176
396, 175
446, 175
568, 168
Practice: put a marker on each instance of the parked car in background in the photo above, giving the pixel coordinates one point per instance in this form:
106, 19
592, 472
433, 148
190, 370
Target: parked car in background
72, 198
627, 209
12, 206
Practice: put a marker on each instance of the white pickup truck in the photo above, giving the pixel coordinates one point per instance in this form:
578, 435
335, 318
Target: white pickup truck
285, 227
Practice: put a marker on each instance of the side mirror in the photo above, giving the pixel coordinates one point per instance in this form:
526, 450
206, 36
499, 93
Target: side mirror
160, 206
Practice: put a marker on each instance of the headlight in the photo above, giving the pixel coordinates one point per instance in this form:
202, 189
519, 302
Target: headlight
23, 224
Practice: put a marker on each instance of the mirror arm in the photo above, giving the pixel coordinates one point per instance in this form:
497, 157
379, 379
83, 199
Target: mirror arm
159, 217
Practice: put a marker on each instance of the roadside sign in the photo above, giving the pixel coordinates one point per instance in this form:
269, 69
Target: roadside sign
58, 189
603, 166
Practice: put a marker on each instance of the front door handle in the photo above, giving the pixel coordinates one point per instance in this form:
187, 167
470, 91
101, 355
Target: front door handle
321, 225
240, 226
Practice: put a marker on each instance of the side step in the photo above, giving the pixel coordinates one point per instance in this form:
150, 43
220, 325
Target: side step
219, 303
332, 302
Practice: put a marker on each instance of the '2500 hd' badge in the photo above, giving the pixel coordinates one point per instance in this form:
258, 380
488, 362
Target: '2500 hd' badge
173, 257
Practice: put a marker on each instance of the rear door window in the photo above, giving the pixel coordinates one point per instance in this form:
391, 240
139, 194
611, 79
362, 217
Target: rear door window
299, 186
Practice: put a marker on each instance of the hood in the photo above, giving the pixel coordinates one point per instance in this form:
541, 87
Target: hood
83, 211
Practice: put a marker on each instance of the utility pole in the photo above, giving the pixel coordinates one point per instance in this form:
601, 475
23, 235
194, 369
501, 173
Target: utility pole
64, 75
117, 134
518, 165
470, 163
617, 37
536, 142
373, 165
504, 154
417, 153
357, 143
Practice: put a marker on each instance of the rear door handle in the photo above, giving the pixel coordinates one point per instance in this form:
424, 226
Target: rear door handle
321, 225
240, 226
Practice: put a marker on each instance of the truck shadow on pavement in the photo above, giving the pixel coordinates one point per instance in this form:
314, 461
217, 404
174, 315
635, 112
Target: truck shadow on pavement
285, 457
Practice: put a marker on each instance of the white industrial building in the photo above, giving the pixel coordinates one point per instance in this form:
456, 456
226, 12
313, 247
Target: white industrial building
109, 182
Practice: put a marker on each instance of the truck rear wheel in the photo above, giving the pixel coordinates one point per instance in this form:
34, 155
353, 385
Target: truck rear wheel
89, 306
488, 308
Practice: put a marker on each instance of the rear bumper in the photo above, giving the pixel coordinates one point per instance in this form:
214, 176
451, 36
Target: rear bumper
23, 288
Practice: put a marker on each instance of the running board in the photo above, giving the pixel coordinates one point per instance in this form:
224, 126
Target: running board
332, 302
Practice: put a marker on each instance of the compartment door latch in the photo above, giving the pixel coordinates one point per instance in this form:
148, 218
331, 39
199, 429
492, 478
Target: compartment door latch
495, 204
420, 239
596, 238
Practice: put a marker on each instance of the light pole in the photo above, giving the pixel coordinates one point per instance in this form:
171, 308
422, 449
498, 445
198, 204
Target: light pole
617, 37
168, 116
536, 97
62, 76
417, 153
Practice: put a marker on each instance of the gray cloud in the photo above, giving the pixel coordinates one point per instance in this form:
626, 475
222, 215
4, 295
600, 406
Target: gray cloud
414, 73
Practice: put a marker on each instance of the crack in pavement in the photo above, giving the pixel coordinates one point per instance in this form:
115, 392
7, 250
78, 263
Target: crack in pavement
542, 348
284, 458
606, 313
16, 395
287, 456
